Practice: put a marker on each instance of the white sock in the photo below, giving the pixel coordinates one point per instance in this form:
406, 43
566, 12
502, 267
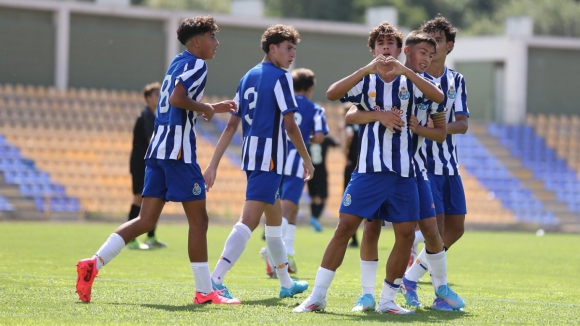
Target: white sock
418, 237
419, 268
278, 253
322, 282
389, 291
284, 226
289, 238
201, 277
109, 250
438, 268
233, 248
368, 276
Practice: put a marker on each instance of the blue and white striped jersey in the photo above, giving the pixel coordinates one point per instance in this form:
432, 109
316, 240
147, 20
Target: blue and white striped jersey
265, 93
174, 136
423, 110
311, 119
442, 158
380, 150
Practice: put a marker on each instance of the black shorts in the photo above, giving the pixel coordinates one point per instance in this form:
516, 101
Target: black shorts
318, 186
138, 182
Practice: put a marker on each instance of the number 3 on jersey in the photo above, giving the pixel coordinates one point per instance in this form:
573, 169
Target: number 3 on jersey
164, 95
251, 105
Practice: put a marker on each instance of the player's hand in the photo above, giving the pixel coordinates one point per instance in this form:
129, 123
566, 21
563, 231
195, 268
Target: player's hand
209, 175
413, 123
308, 170
390, 67
391, 120
208, 113
225, 107
376, 65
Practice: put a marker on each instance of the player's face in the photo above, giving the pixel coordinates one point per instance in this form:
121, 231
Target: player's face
152, 99
387, 46
209, 44
442, 45
283, 54
420, 56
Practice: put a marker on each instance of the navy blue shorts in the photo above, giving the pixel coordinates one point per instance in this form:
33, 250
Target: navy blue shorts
173, 180
448, 194
292, 188
385, 195
263, 186
426, 203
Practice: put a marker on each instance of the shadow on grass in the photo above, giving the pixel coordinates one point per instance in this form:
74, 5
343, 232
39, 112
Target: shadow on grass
422, 315
173, 308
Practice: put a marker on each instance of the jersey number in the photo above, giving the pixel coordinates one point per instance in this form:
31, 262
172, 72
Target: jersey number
251, 105
316, 153
164, 95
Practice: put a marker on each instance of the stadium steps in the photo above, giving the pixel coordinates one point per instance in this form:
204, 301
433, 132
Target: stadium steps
24, 208
568, 220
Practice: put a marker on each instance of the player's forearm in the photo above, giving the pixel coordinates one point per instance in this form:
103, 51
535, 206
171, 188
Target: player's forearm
337, 90
186, 103
360, 117
438, 133
222, 145
431, 91
457, 127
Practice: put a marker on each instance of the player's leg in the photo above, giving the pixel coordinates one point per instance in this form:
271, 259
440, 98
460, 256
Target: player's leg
455, 210
369, 263
138, 180
292, 188
348, 170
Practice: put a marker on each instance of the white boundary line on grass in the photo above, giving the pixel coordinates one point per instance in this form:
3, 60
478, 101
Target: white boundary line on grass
559, 304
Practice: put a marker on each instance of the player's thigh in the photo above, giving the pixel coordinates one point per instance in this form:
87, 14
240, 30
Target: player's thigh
263, 186
184, 181
365, 194
196, 213
437, 182
426, 203
454, 198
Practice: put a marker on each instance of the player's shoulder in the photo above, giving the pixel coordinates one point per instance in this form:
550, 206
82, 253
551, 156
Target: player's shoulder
456, 74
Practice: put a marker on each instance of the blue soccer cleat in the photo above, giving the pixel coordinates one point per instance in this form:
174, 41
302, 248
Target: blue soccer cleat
315, 224
297, 287
440, 305
222, 289
409, 290
365, 302
453, 300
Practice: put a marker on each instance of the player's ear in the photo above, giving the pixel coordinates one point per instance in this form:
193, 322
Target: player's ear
450, 46
407, 50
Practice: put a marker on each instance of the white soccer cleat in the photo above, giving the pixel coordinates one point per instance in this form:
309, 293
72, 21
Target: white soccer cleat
389, 307
310, 305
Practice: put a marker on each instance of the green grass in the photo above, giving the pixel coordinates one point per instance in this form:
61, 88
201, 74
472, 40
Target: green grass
505, 278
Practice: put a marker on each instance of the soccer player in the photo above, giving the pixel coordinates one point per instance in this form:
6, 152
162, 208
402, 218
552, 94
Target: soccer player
351, 153
383, 185
311, 120
142, 132
267, 108
442, 162
172, 172
419, 49
318, 186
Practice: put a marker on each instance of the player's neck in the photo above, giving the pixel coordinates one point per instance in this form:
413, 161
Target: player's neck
436, 68
193, 51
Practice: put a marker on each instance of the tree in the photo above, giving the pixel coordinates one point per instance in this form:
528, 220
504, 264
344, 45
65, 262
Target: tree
205, 5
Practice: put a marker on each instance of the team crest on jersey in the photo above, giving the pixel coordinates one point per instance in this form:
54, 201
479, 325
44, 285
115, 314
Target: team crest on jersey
404, 94
372, 94
451, 93
347, 200
422, 105
196, 189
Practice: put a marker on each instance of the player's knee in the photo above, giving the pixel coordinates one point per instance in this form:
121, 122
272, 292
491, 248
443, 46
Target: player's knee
345, 230
372, 233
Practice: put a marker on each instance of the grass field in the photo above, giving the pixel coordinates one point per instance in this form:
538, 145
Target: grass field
505, 278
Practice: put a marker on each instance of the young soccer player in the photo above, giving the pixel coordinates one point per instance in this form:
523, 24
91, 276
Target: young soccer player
311, 120
172, 172
419, 49
142, 132
383, 186
442, 162
266, 108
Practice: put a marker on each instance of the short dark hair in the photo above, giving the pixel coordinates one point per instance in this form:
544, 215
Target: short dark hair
277, 34
416, 37
191, 27
387, 30
440, 23
150, 88
303, 79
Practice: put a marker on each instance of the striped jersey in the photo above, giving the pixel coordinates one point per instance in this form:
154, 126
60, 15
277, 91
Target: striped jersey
310, 119
380, 150
442, 158
264, 95
424, 109
174, 135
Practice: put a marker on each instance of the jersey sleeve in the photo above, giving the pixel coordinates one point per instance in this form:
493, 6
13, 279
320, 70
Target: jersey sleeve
193, 78
284, 93
355, 93
320, 124
237, 100
461, 98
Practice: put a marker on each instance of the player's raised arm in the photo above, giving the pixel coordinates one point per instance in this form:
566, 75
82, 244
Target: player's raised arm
210, 172
430, 90
337, 90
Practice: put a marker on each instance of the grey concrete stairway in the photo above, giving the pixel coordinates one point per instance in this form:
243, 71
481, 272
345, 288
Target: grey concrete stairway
569, 221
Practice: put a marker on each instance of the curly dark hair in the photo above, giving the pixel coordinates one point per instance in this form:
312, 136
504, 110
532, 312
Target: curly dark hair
387, 30
440, 24
277, 34
191, 27
416, 37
